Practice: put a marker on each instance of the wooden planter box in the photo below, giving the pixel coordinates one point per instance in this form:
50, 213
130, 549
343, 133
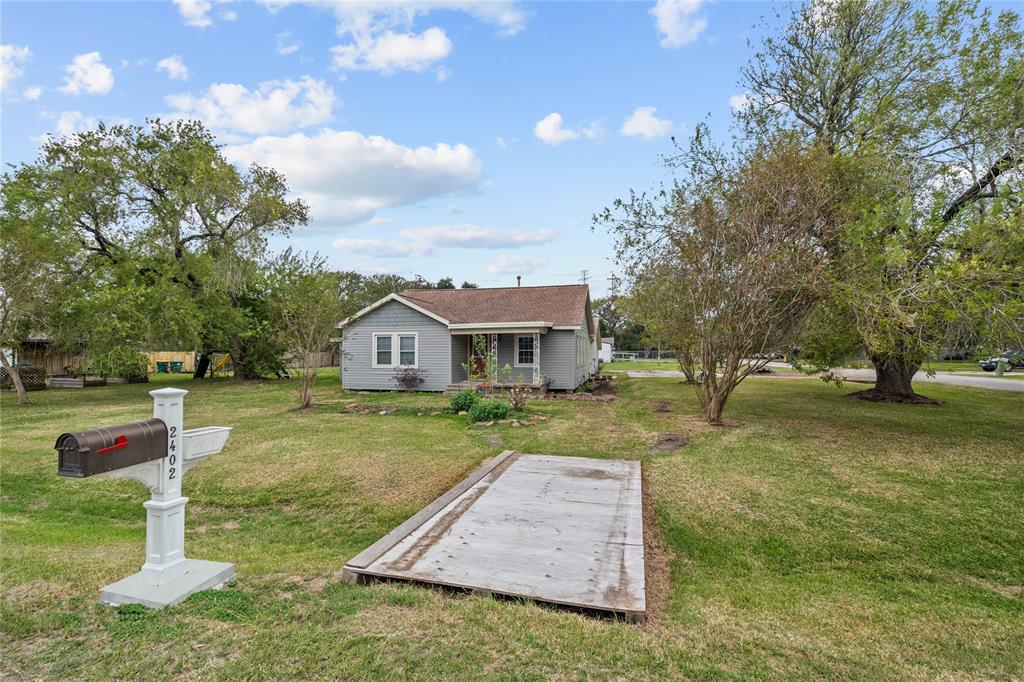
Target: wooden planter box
76, 382
127, 380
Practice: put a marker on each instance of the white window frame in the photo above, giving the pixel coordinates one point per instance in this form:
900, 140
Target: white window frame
515, 349
396, 349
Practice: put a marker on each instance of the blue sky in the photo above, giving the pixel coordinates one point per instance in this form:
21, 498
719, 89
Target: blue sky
471, 140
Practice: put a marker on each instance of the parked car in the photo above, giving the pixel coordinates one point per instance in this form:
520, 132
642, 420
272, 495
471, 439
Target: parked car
1014, 360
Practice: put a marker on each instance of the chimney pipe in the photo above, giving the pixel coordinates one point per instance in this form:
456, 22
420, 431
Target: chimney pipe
519, 281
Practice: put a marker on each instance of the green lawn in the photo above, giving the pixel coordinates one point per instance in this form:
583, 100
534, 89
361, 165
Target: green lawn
816, 537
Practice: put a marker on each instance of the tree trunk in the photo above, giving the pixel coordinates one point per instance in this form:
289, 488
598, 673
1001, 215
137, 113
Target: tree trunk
15, 376
893, 376
714, 407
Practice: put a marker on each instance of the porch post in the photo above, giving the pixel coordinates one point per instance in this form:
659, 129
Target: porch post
536, 359
493, 339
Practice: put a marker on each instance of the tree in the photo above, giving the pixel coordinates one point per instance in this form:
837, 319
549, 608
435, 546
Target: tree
468, 285
159, 212
929, 103
725, 266
39, 268
305, 296
445, 283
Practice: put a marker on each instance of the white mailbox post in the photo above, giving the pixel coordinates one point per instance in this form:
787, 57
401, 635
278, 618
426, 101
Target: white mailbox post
167, 577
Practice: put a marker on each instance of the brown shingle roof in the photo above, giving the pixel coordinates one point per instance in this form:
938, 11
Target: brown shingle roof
560, 305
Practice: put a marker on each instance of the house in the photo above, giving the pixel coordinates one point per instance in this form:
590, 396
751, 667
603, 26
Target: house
607, 348
545, 335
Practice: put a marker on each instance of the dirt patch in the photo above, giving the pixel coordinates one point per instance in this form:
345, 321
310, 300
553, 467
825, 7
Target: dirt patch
668, 442
494, 439
662, 407
657, 584
877, 396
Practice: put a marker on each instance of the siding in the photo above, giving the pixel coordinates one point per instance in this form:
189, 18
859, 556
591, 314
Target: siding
434, 357
460, 352
558, 359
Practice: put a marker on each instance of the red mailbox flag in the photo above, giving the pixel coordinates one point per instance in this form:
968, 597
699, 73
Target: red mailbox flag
119, 442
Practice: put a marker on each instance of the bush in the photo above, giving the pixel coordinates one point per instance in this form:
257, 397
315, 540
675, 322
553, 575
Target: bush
408, 377
120, 361
463, 401
489, 410
517, 397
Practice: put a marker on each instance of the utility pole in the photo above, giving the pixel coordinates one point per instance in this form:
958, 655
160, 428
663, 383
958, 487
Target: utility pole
585, 276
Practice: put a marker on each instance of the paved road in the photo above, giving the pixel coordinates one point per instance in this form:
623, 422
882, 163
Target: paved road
948, 378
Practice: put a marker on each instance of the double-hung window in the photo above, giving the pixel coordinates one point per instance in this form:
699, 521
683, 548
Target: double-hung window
395, 350
524, 350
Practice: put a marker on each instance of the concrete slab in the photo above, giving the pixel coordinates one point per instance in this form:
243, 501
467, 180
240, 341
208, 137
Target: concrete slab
564, 530
200, 575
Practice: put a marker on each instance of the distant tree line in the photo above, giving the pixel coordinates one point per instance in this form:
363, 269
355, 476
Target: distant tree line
131, 238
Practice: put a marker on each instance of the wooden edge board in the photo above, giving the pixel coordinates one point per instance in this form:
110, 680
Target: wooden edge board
631, 615
377, 549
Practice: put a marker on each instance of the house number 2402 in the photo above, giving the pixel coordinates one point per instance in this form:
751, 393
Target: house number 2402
173, 457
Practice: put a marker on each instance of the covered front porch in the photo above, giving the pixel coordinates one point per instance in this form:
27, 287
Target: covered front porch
501, 357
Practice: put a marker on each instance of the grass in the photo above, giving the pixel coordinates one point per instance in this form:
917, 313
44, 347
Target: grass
815, 537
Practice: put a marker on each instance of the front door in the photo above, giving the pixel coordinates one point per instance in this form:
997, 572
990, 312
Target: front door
478, 354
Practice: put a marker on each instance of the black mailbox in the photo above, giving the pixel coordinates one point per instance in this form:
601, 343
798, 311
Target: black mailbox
88, 453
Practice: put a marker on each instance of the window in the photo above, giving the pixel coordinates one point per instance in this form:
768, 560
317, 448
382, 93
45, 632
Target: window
382, 344
407, 350
524, 350
395, 350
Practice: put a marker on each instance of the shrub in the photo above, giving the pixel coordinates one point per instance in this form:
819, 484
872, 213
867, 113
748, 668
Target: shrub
463, 401
517, 397
488, 410
408, 377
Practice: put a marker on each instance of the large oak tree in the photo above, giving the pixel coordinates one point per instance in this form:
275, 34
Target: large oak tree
928, 100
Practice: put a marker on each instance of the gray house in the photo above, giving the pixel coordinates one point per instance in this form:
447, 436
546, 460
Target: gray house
546, 335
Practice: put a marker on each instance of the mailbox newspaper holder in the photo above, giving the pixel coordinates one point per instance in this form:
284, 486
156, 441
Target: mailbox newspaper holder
157, 453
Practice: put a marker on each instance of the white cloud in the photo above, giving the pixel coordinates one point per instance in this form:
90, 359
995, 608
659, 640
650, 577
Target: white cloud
515, 265
455, 209
87, 73
442, 74
228, 15
71, 122
389, 51
377, 220
423, 241
643, 123
741, 101
285, 44
275, 106
174, 67
11, 58
507, 16
33, 92
346, 176
678, 21
549, 130
593, 130
505, 143
379, 35
195, 12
